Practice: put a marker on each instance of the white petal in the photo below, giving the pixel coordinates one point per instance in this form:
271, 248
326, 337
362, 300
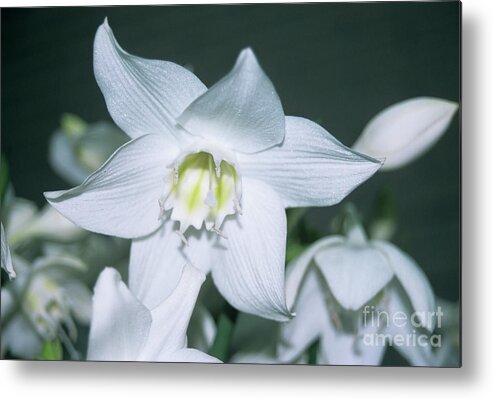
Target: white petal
339, 346
355, 274
249, 269
121, 198
414, 281
189, 356
6, 257
170, 319
157, 260
143, 96
311, 310
404, 131
296, 270
120, 323
242, 111
310, 167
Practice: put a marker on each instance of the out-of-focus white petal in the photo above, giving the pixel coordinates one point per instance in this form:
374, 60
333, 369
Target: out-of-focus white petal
340, 346
398, 304
242, 111
188, 356
170, 319
310, 167
311, 310
51, 225
79, 298
20, 338
157, 260
413, 280
296, 270
248, 269
355, 274
74, 156
21, 213
120, 323
120, 198
202, 329
7, 303
6, 258
143, 96
404, 131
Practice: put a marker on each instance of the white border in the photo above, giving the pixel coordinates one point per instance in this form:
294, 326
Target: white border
475, 379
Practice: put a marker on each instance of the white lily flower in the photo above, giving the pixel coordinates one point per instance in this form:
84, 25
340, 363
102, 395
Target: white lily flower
405, 130
337, 284
77, 149
223, 160
6, 257
45, 298
124, 329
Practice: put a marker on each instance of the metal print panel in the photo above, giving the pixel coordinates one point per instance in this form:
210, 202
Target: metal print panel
262, 183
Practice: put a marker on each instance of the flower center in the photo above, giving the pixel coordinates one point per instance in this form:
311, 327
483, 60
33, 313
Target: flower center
203, 188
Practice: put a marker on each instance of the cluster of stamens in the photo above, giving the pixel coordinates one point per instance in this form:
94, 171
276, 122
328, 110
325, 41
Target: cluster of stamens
201, 189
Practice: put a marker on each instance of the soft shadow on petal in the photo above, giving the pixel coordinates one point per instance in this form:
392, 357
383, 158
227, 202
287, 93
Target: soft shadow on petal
121, 197
120, 323
143, 96
310, 167
249, 270
413, 280
296, 270
157, 260
355, 274
170, 318
242, 111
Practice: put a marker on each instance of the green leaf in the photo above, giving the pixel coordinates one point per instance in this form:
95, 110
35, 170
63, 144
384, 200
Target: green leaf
222, 341
312, 352
52, 350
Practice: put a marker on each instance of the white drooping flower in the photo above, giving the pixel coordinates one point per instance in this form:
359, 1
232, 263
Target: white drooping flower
406, 130
339, 286
43, 303
124, 329
206, 177
78, 148
48, 295
6, 257
25, 224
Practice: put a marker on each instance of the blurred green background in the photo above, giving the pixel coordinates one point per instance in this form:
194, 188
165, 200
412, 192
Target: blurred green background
337, 64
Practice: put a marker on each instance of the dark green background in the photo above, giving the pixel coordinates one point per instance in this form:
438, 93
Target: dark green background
337, 64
